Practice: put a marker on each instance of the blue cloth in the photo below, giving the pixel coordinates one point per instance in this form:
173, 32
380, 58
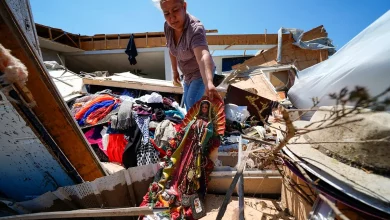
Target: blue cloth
193, 92
94, 108
171, 113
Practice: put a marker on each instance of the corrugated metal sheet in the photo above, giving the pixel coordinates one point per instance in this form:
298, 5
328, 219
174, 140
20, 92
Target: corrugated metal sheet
27, 168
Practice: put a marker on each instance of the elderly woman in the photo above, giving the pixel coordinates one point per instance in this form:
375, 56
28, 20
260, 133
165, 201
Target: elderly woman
186, 40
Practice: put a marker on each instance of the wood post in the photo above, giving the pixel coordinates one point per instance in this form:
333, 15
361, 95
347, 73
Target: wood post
84, 213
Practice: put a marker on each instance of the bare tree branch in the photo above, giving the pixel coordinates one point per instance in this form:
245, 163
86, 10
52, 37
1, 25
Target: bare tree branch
290, 133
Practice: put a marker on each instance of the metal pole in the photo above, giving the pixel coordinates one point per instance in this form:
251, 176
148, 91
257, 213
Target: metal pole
241, 202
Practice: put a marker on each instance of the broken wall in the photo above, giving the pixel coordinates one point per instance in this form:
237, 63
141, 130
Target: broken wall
291, 54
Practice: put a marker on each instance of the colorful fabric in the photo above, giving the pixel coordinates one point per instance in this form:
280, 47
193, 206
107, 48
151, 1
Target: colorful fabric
91, 140
172, 113
116, 147
146, 154
92, 109
88, 105
99, 114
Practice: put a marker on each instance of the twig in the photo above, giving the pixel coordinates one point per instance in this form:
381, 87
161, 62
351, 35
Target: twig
290, 134
301, 131
383, 140
333, 207
257, 140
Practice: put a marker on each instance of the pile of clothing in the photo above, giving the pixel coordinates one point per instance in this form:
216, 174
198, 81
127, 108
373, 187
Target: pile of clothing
135, 128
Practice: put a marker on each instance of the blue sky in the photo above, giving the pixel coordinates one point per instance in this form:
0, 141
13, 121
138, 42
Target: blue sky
343, 19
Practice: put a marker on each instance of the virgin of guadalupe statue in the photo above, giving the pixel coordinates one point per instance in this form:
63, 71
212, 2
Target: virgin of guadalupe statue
182, 181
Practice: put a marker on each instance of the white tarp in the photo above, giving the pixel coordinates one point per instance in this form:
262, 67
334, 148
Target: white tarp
364, 61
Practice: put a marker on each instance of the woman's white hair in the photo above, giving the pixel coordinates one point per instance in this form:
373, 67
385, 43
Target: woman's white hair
157, 3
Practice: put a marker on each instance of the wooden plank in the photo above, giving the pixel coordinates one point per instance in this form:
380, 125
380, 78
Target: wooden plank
84, 213
315, 33
159, 41
141, 85
51, 109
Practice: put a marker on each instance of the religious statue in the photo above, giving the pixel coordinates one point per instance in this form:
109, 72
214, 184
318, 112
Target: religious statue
182, 182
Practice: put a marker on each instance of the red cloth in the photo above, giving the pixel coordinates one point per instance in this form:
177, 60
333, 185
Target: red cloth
116, 147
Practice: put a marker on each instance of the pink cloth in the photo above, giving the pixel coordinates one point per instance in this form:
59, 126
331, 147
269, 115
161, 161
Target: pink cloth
98, 141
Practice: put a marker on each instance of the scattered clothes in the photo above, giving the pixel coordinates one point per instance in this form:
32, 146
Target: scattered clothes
100, 113
153, 125
164, 132
177, 107
143, 124
142, 110
105, 136
116, 146
131, 51
159, 115
174, 119
167, 101
155, 98
172, 113
123, 120
146, 154
88, 105
133, 137
80, 102
94, 108
89, 136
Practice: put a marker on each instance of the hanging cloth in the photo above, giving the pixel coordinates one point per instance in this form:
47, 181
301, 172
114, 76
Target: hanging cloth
131, 51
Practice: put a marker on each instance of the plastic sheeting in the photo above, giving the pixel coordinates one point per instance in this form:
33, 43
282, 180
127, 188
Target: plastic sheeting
364, 61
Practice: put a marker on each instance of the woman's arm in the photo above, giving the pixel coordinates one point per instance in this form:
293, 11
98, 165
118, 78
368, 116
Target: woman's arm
206, 66
176, 76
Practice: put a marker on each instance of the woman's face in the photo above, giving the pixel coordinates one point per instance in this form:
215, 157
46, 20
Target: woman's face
205, 108
174, 13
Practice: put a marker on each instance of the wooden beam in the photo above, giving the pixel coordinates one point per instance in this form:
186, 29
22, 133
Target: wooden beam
50, 36
137, 35
142, 84
251, 39
105, 42
84, 213
58, 36
71, 40
51, 110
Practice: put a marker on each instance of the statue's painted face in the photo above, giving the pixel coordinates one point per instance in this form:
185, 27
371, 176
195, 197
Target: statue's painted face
205, 108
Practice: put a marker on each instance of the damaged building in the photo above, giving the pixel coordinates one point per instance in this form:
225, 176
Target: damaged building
72, 134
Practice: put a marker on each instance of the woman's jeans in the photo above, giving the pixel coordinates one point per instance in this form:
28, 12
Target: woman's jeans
193, 92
